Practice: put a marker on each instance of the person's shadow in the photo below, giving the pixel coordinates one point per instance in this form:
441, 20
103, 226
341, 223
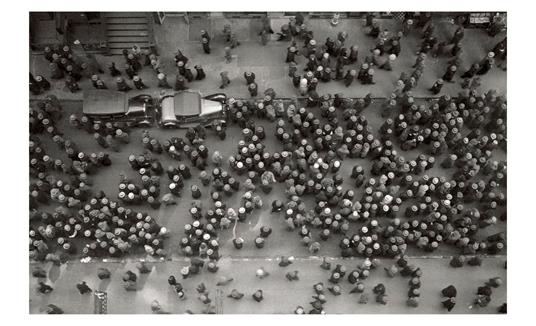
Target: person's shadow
142, 278
54, 273
103, 284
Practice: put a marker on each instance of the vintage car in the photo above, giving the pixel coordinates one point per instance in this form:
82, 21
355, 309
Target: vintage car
189, 108
104, 105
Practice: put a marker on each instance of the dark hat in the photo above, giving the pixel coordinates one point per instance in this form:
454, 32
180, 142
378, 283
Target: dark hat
450, 291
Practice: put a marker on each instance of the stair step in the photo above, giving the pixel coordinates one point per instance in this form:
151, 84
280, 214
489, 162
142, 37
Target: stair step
135, 20
125, 14
127, 39
111, 33
127, 45
119, 27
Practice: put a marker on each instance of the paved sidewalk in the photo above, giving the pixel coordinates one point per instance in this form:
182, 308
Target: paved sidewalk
280, 295
267, 62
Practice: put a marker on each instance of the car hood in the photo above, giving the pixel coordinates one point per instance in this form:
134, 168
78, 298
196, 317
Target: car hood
104, 102
209, 107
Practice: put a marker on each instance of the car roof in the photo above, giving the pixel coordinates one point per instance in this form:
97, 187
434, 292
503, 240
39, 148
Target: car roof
187, 103
104, 101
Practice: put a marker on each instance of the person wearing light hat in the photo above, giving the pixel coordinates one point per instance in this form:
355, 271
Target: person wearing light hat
71, 84
311, 47
354, 54
162, 81
325, 60
249, 77
74, 72
375, 59
84, 69
63, 63
133, 61
94, 79
238, 243
122, 85
55, 71
112, 143
326, 75
369, 77
362, 72
319, 71
180, 83
48, 53
296, 79
156, 66
486, 64
66, 51
291, 54
311, 65
388, 63
204, 34
258, 296
420, 59
34, 87
252, 88
406, 28
180, 67
349, 77
303, 87
436, 88
42, 82
395, 48
100, 85
138, 83
449, 74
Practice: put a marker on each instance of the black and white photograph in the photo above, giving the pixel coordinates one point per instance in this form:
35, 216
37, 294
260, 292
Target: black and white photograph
267, 162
